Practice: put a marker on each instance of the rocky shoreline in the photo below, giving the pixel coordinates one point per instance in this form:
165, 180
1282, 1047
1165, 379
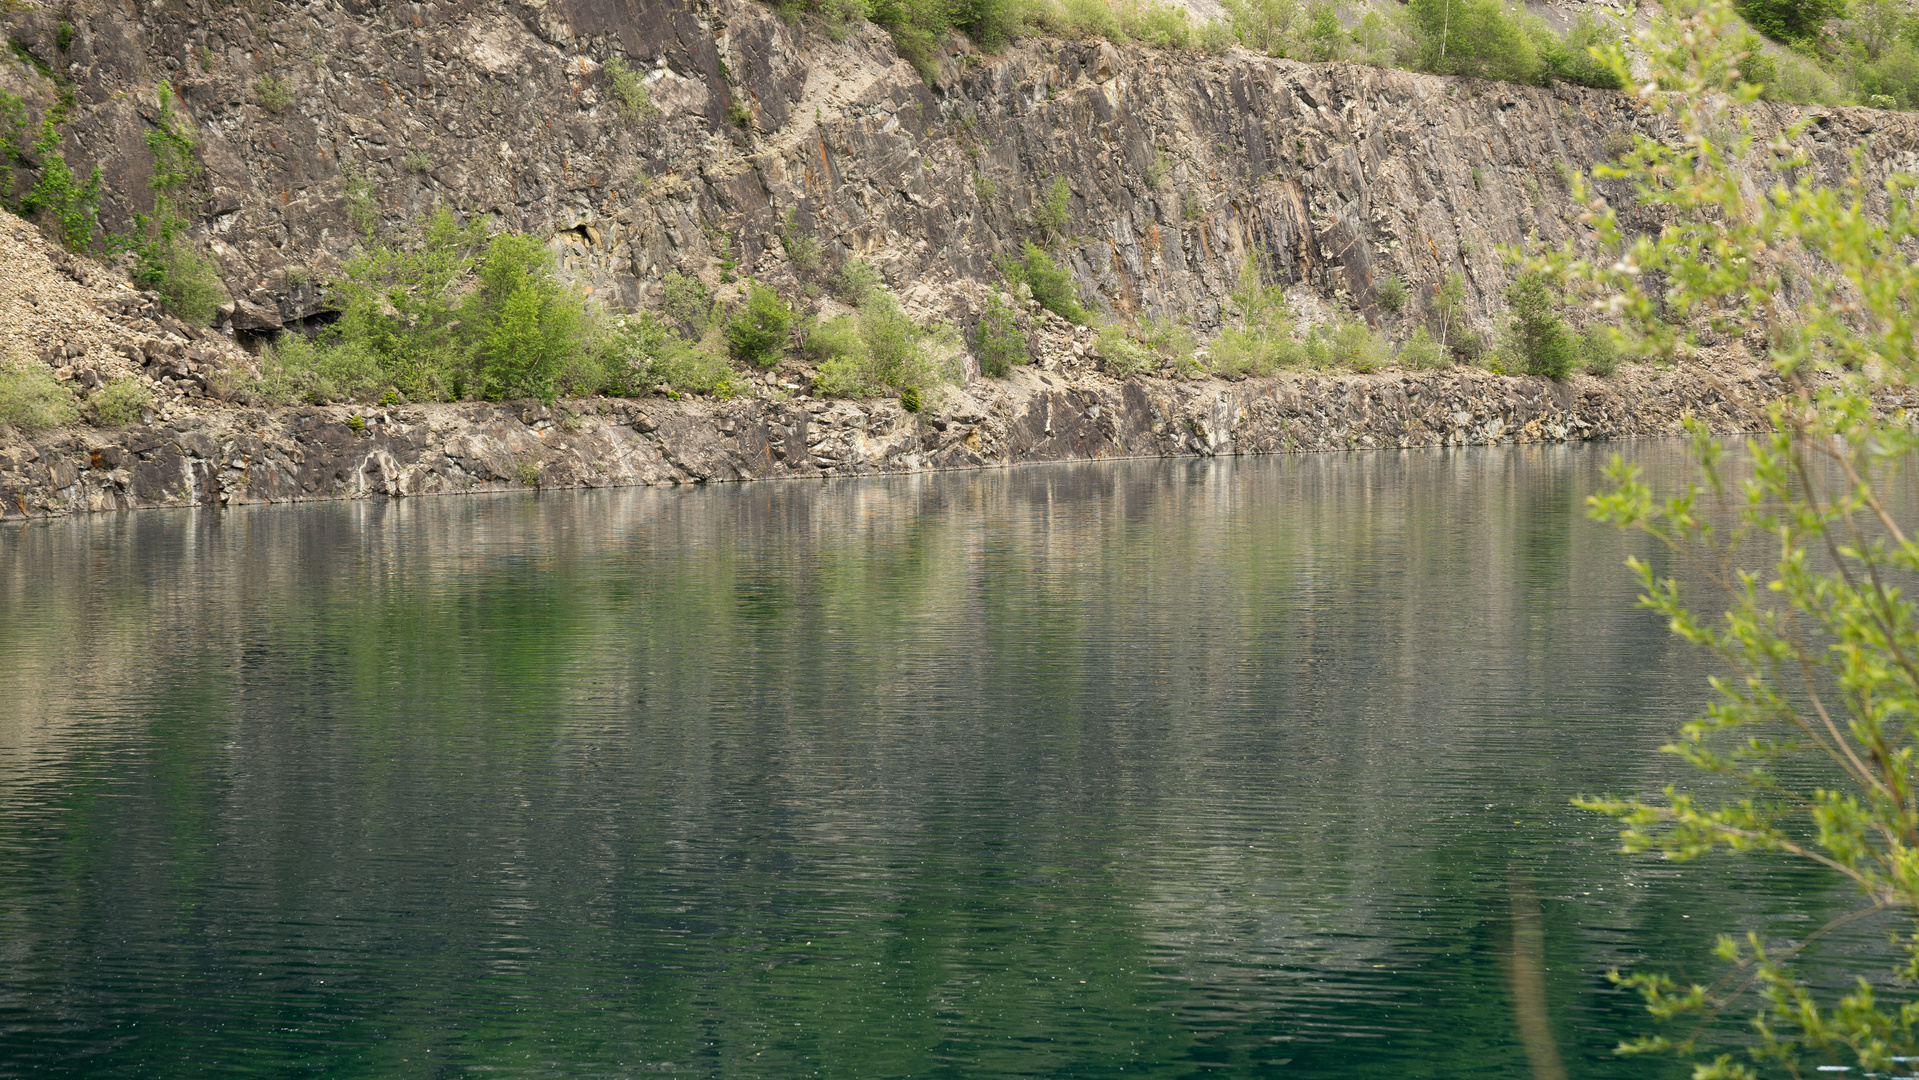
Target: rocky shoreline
226, 455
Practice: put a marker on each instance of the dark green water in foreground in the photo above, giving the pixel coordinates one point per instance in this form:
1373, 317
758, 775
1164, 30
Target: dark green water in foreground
1169, 769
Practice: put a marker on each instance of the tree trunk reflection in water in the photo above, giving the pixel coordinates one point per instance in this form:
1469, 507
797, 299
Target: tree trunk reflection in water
1527, 967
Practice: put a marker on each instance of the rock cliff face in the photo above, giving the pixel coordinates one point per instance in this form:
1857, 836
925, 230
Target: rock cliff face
1178, 164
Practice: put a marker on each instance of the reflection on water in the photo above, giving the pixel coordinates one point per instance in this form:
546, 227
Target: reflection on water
1167, 768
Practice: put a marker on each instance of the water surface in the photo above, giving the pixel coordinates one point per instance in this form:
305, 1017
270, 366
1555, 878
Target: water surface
1180, 768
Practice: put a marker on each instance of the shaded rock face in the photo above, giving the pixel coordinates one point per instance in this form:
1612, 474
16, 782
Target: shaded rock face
1178, 165
226, 456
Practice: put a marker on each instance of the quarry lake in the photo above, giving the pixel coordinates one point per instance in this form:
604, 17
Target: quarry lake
1170, 768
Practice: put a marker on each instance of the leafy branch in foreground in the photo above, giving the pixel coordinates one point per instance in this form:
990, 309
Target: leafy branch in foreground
1816, 720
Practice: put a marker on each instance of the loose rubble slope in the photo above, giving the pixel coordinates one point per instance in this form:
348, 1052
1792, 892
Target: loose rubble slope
89, 325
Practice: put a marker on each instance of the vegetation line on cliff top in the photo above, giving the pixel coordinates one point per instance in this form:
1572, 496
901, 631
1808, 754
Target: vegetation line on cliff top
1862, 52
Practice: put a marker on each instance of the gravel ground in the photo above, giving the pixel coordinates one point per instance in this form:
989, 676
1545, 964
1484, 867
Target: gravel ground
87, 324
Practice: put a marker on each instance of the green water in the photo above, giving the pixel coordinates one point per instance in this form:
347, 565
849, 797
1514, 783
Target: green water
1167, 769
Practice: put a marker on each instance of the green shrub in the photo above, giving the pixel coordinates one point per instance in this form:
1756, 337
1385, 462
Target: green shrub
847, 376
399, 304
13, 141
296, 368
1448, 314
1216, 36
684, 300
119, 403
856, 281
1379, 41
629, 90
1350, 345
1156, 25
1391, 293
1245, 352
1261, 306
1263, 25
984, 189
1079, 19
275, 93
361, 207
1598, 352
1157, 169
992, 24
1263, 341
916, 26
411, 325
802, 249
640, 352
31, 399
890, 354
58, 198
1570, 59
1481, 38
696, 367
836, 17
1001, 342
187, 280
1324, 38
527, 335
1170, 340
893, 341
1052, 212
166, 261
1893, 75
1795, 78
834, 339
1124, 357
757, 332
1052, 285
1788, 20
1422, 350
1537, 341
1877, 25
629, 347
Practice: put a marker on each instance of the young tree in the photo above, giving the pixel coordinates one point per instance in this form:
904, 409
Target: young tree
1471, 37
1537, 335
527, 332
758, 330
1804, 551
1002, 343
397, 304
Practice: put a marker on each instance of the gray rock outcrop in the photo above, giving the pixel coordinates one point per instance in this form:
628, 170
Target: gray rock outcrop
1179, 164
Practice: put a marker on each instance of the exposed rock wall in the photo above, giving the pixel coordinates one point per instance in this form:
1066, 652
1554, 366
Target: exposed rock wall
1179, 166
1332, 174
231, 456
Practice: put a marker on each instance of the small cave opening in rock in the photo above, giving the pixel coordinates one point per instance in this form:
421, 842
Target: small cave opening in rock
307, 326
